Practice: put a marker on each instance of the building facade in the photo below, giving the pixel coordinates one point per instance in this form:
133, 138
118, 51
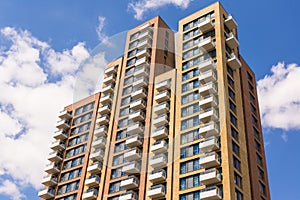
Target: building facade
177, 118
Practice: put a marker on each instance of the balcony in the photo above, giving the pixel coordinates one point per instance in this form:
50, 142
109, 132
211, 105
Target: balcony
159, 147
208, 76
138, 104
210, 144
90, 194
141, 61
230, 23
95, 168
132, 168
128, 196
147, 33
140, 82
134, 141
109, 79
211, 176
92, 181
104, 120
144, 44
234, 62
142, 71
161, 108
164, 85
137, 116
99, 142
162, 96
211, 193
208, 114
135, 128
55, 156
231, 41
130, 183
104, 109
52, 168
158, 161
161, 120
65, 114
49, 180
47, 193
60, 135
157, 191
208, 101
206, 65
97, 155
110, 70
158, 176
209, 160
142, 53
101, 131
160, 133
58, 145
63, 124
106, 99
208, 88
139, 93
133, 154
207, 44
107, 89
209, 129
205, 25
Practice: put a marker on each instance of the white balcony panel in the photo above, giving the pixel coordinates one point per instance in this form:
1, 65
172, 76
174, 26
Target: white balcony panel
141, 61
90, 194
211, 176
211, 193
160, 133
162, 96
110, 70
131, 168
137, 116
109, 79
63, 124
161, 108
209, 129
138, 104
99, 142
106, 99
142, 71
135, 128
158, 161
97, 155
159, 147
133, 154
209, 144
208, 76
130, 183
232, 41
65, 114
164, 85
208, 88
157, 176
157, 191
49, 180
230, 23
101, 131
208, 101
208, 114
140, 93
161, 120
104, 120
209, 160
234, 62
94, 168
134, 141
92, 181
58, 145
104, 109
206, 65
46, 193
128, 196
206, 44
52, 168
108, 89
60, 135
205, 25
141, 82
55, 156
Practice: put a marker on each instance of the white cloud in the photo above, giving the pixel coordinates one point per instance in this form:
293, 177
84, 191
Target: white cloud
102, 37
284, 137
10, 189
36, 82
142, 6
280, 97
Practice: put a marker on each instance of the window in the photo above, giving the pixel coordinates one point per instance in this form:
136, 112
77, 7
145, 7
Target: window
190, 182
189, 166
250, 87
128, 80
78, 140
126, 101
76, 151
70, 175
254, 121
232, 106
250, 78
233, 119
124, 111
256, 133
117, 173
190, 136
236, 163
257, 146
120, 147
73, 163
237, 180
119, 159
129, 71
115, 187
189, 151
84, 108
190, 110
191, 196
122, 134
190, 97
253, 109
190, 74
189, 123
234, 133
231, 94
190, 85
238, 195
259, 160
68, 187
262, 188
83, 118
252, 98
235, 148
261, 173
230, 82
81, 128
127, 90
230, 71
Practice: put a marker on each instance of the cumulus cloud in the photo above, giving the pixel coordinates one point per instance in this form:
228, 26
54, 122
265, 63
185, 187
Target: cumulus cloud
140, 7
10, 189
280, 98
36, 82
99, 30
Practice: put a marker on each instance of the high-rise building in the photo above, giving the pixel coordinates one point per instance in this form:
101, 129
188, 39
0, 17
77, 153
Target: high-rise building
177, 118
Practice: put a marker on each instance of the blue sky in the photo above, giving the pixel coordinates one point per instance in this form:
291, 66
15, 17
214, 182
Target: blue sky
42, 44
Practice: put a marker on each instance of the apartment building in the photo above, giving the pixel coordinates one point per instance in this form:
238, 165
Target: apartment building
177, 118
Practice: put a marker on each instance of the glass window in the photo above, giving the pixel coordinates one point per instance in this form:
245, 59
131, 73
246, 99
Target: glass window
236, 163
237, 180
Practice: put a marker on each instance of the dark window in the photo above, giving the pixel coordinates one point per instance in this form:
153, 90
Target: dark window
261, 174
230, 71
256, 133
257, 146
231, 94
232, 106
259, 160
235, 148
230, 82
236, 163
238, 195
233, 119
252, 98
237, 180
234, 133
250, 86
254, 121
262, 188
250, 78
